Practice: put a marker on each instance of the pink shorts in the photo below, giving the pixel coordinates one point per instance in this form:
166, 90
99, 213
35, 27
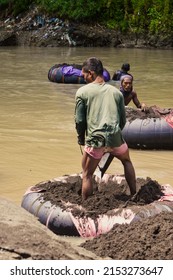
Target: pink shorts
97, 153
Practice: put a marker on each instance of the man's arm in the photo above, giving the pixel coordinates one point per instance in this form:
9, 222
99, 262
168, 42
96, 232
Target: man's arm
122, 112
137, 102
80, 120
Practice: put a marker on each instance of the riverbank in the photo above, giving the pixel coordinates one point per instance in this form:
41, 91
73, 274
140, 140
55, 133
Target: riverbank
36, 29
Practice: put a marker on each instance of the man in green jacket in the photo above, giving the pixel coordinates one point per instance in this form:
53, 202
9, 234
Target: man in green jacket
100, 117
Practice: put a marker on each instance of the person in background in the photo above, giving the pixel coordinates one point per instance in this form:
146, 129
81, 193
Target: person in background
124, 71
126, 87
100, 117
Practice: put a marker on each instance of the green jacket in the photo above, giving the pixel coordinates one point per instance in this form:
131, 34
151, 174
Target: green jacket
100, 115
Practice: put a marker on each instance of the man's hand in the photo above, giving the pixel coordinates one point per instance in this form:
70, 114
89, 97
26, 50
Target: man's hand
143, 107
81, 140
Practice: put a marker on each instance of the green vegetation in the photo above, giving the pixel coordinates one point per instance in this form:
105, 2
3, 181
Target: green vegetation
146, 16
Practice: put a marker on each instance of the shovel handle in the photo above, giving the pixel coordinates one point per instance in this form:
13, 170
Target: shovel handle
106, 165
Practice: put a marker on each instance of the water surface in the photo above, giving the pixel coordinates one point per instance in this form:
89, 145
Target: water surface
37, 133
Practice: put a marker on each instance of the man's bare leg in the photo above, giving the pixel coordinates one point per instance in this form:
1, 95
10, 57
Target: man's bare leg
89, 165
129, 171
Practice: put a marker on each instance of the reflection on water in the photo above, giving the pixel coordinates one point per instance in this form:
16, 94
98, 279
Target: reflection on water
37, 135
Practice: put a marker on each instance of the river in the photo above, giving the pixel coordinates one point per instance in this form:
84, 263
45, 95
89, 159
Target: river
37, 133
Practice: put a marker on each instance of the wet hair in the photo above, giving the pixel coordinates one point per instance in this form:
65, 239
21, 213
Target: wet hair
125, 67
93, 64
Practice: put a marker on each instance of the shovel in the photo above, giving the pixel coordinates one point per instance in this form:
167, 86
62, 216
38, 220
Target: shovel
103, 165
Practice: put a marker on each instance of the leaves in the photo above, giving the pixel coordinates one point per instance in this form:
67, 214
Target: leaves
138, 16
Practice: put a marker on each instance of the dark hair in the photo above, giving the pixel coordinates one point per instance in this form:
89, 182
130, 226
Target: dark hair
125, 67
93, 64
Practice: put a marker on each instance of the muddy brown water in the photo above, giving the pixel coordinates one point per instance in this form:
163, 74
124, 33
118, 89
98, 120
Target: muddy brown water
38, 139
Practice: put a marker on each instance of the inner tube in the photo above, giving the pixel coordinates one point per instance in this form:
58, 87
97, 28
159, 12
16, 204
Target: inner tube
52, 216
150, 133
55, 75
64, 222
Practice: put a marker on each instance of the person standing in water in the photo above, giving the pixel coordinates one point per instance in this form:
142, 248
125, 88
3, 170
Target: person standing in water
126, 88
124, 71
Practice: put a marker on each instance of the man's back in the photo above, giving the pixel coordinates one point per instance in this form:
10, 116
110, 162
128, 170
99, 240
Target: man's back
105, 111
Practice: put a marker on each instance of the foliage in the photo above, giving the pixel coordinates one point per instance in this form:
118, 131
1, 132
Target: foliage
15, 6
4, 4
152, 16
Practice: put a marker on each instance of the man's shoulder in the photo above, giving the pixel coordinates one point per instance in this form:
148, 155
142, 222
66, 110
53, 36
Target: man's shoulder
134, 92
82, 90
114, 90
113, 87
